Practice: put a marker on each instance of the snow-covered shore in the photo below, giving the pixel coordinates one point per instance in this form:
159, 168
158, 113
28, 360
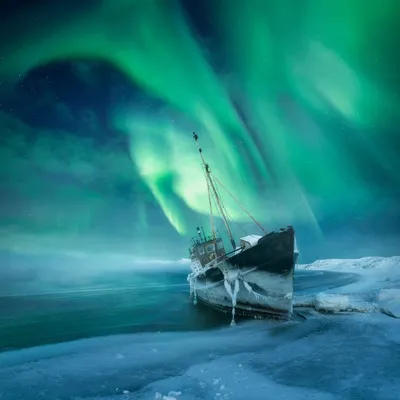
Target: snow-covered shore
377, 289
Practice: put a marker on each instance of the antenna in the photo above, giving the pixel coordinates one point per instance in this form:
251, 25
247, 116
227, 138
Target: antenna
199, 233
210, 185
204, 235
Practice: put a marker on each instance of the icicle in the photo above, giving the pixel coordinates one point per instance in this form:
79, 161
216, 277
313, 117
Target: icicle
236, 291
233, 295
250, 290
233, 322
234, 300
194, 296
259, 296
196, 271
228, 288
192, 284
248, 287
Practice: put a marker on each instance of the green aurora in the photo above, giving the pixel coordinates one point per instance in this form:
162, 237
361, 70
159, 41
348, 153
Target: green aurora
298, 120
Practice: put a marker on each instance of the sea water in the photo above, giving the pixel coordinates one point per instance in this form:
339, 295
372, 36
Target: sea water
149, 341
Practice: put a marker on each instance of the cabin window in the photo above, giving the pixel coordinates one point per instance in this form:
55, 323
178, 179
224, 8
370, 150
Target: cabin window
201, 250
220, 245
210, 248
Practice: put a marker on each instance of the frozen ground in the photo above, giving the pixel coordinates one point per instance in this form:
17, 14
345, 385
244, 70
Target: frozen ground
376, 289
336, 355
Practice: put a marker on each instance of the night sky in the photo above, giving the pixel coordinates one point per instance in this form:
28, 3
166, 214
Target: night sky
297, 104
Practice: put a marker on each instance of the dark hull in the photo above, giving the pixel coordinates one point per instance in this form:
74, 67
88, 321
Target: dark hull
264, 274
274, 253
247, 310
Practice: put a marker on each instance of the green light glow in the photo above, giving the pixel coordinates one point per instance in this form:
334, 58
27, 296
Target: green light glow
314, 83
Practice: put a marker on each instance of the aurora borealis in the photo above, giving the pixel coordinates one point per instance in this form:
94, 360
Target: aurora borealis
297, 104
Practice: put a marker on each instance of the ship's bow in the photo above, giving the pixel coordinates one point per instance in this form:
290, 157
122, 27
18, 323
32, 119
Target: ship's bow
265, 274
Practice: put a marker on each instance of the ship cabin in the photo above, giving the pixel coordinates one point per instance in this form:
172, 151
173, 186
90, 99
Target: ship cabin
206, 248
249, 241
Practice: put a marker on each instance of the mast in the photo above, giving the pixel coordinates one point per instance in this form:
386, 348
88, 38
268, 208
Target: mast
210, 184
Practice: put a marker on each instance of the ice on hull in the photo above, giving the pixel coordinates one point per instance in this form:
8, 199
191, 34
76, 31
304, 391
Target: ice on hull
260, 295
256, 278
262, 288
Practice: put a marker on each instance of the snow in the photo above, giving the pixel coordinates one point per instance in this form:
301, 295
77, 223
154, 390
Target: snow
233, 295
375, 290
251, 239
331, 302
197, 269
325, 356
354, 264
296, 248
250, 290
258, 360
389, 301
169, 397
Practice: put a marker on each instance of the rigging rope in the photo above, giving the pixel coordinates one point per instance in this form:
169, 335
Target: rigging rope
227, 213
215, 195
211, 184
211, 210
237, 202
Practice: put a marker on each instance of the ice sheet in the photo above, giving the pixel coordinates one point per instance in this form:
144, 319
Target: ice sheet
389, 300
327, 356
351, 357
376, 290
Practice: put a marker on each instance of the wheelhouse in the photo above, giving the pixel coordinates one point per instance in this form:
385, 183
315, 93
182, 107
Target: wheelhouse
206, 248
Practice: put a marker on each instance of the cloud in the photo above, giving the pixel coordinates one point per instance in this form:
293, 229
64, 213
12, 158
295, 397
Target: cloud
61, 191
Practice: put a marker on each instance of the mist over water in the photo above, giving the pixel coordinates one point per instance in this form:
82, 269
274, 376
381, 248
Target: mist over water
101, 188
140, 336
34, 273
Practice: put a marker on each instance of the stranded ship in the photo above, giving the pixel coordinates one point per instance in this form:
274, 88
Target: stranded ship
255, 277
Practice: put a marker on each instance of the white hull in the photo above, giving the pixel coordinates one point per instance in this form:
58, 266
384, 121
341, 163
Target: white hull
257, 280
249, 292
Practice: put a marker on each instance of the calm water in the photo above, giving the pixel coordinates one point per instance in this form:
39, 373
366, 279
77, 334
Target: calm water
142, 338
155, 302
154, 305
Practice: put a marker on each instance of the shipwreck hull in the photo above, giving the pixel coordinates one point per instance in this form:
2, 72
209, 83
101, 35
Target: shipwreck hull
274, 253
255, 282
260, 293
